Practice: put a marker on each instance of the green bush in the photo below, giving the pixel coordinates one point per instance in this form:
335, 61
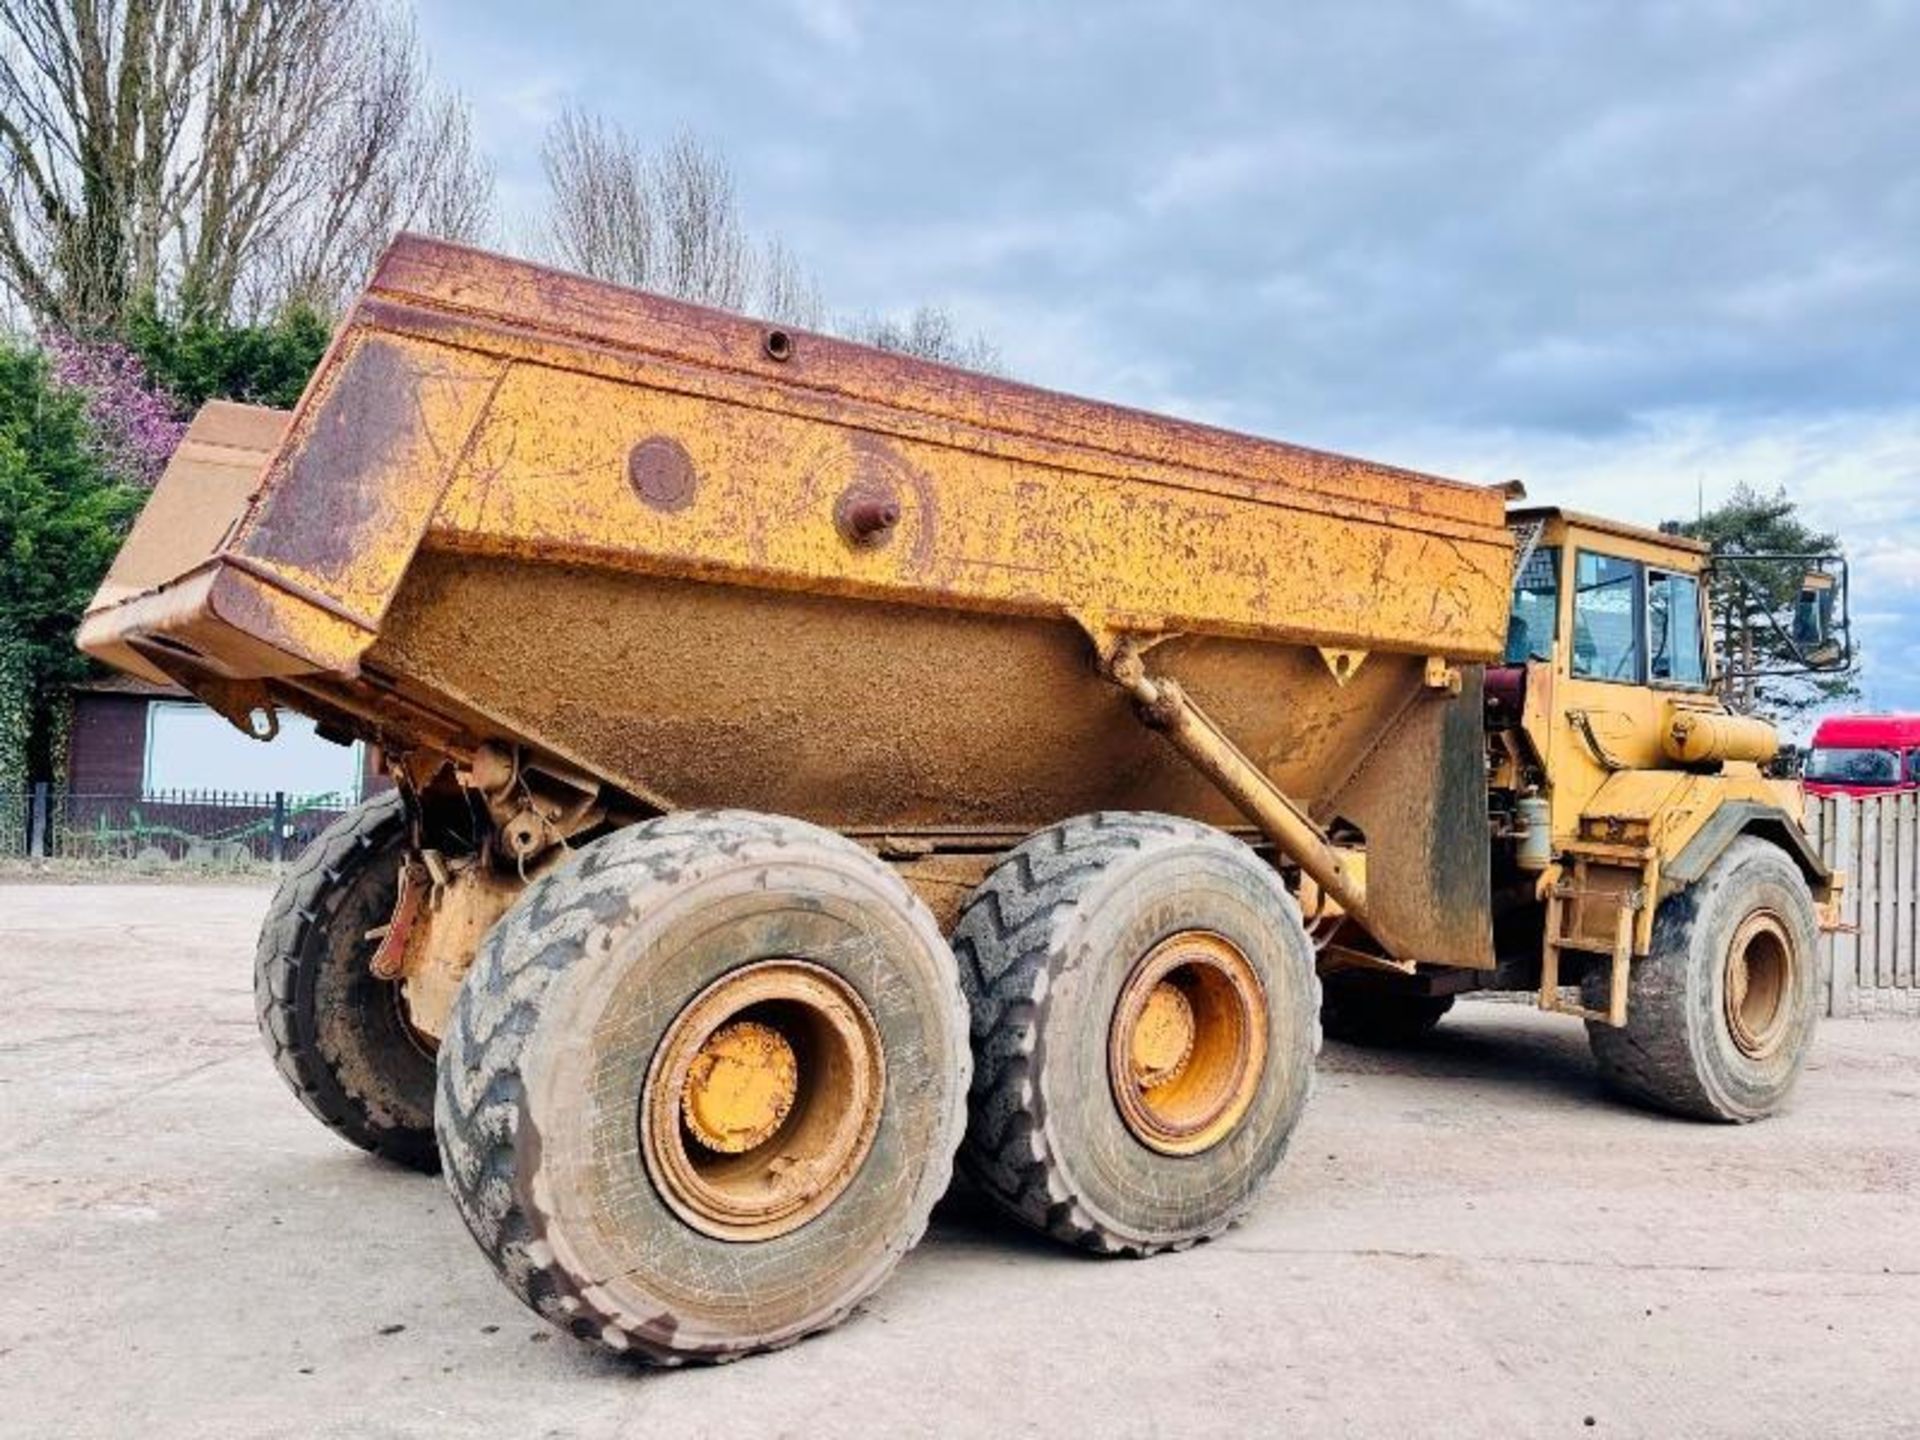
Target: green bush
201, 360
62, 515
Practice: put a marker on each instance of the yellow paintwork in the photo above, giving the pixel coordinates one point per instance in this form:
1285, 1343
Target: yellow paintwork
1698, 737
1188, 1043
460, 409
1617, 796
984, 523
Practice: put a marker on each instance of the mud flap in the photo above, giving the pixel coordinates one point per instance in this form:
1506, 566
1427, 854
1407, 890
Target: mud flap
1420, 798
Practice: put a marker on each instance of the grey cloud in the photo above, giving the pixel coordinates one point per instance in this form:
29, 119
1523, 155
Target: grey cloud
1340, 224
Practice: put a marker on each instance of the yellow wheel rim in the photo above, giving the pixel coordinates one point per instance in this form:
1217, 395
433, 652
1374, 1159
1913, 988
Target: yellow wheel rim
1188, 1043
762, 1100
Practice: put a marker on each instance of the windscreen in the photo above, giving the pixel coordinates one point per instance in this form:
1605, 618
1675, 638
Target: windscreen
1854, 766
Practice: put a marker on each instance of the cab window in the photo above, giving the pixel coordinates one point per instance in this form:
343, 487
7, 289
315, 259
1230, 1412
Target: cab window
1675, 649
1536, 608
1606, 632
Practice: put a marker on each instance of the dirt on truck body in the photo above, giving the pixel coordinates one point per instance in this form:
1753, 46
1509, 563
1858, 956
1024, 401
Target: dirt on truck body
805, 755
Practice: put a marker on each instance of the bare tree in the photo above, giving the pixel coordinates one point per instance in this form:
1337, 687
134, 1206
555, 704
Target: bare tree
600, 218
84, 170
789, 292
666, 220
397, 157
669, 220
218, 155
930, 333
703, 248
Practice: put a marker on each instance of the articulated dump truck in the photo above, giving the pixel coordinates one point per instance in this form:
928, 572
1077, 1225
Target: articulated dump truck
811, 765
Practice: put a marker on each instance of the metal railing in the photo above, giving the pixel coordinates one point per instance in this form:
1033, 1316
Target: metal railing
231, 829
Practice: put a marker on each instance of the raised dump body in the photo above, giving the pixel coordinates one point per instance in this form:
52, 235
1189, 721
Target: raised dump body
706, 563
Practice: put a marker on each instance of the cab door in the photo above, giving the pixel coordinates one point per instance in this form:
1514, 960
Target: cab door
1633, 637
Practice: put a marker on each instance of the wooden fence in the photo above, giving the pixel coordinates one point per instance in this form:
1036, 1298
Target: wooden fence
1868, 965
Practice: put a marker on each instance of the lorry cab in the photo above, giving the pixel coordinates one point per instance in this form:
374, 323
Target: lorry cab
1864, 755
1618, 776
1608, 669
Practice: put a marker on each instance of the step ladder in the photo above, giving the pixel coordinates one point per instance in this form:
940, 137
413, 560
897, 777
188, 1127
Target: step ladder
1566, 929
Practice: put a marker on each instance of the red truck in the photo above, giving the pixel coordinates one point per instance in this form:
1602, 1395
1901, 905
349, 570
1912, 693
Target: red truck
1864, 755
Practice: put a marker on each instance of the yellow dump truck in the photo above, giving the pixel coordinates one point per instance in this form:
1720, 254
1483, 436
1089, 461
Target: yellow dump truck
810, 763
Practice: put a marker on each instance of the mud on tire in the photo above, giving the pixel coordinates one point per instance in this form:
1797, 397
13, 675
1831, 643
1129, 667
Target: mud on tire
1045, 948
1690, 1045
579, 987
338, 1036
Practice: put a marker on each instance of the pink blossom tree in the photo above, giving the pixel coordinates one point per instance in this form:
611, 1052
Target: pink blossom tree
136, 423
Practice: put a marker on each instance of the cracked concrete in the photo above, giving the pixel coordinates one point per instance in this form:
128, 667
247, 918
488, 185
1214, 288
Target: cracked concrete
1465, 1240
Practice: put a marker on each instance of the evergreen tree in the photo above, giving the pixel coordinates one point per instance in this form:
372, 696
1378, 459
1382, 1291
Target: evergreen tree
1753, 604
62, 515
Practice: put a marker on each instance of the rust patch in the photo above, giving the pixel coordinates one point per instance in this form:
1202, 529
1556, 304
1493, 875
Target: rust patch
662, 474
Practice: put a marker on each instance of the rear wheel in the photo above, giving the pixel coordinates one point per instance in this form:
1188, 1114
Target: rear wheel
1144, 1025
339, 1036
1721, 1014
703, 1085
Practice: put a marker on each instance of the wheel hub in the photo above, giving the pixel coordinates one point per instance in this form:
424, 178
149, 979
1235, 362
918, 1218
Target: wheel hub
1759, 983
1162, 1036
740, 1087
762, 1100
1188, 1043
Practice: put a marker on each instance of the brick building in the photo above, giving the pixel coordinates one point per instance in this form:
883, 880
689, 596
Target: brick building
133, 739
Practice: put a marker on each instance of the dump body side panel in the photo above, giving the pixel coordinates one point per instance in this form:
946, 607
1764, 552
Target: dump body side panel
520, 506
850, 713
210, 478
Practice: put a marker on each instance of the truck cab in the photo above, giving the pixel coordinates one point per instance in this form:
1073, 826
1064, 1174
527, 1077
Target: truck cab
1605, 705
1864, 755
1619, 778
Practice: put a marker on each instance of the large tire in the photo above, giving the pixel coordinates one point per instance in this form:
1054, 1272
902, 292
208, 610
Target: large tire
339, 1036
1047, 947
1685, 1048
1358, 1012
548, 1083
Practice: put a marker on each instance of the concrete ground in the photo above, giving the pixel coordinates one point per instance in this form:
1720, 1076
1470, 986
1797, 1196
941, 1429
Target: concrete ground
1466, 1240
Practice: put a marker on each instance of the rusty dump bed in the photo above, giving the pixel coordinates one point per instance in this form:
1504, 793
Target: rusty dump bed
707, 562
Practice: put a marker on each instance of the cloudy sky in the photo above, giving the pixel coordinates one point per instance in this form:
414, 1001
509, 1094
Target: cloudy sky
1632, 254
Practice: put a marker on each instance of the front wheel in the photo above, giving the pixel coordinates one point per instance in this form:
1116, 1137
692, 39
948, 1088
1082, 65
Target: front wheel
1721, 1014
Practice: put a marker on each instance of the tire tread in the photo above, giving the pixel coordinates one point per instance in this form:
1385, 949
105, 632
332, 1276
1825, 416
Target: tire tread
479, 1089
303, 904
1004, 943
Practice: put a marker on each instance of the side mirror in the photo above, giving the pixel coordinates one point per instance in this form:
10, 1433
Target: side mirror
1790, 610
1813, 634
1813, 619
